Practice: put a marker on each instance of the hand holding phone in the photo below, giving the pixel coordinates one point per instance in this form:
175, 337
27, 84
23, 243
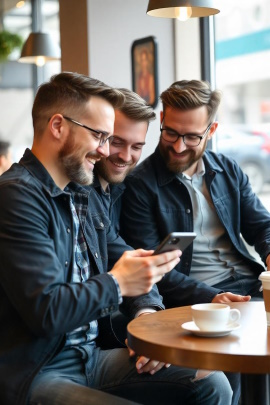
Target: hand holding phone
174, 241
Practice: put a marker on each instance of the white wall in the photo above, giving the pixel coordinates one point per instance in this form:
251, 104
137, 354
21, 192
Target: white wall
113, 26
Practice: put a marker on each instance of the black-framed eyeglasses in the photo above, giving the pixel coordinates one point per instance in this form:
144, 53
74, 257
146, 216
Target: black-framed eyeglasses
100, 136
169, 135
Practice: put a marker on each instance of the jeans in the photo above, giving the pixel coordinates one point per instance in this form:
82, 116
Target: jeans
65, 381
240, 284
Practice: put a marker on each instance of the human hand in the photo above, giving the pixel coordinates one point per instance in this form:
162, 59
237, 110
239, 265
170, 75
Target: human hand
145, 365
226, 297
138, 270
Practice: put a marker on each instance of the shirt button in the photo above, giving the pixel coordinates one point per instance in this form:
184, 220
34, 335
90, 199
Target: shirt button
96, 255
101, 224
68, 230
188, 211
66, 263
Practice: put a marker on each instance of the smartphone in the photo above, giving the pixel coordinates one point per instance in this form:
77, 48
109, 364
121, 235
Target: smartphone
174, 241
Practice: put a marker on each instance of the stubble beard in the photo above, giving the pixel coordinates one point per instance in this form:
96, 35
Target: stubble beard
178, 167
109, 177
73, 165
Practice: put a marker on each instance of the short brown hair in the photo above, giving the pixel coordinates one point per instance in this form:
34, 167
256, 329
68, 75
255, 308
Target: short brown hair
68, 92
187, 95
135, 107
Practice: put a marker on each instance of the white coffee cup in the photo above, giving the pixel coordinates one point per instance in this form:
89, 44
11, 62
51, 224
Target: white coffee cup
214, 317
265, 279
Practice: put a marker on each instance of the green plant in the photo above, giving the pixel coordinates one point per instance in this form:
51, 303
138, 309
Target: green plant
9, 42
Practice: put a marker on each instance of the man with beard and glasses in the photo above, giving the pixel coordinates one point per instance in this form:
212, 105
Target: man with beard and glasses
55, 288
184, 187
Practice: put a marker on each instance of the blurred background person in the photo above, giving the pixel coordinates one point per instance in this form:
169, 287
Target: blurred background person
5, 156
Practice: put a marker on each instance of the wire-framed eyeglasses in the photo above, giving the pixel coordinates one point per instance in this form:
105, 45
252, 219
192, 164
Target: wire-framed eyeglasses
169, 135
100, 136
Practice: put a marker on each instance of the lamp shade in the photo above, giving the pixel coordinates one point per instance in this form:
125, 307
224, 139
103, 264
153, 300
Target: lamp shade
170, 8
39, 48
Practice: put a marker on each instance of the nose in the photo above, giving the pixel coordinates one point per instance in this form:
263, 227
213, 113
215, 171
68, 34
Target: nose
104, 150
125, 155
179, 146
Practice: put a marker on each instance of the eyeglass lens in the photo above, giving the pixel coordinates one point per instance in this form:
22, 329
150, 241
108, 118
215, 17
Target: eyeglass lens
188, 139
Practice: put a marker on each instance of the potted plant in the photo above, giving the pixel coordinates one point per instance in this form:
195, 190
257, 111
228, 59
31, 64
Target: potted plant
8, 42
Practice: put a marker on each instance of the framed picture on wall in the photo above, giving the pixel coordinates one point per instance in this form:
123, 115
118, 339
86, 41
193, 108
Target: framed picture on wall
144, 69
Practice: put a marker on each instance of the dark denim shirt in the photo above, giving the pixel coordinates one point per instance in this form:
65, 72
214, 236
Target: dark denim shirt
112, 201
156, 203
38, 303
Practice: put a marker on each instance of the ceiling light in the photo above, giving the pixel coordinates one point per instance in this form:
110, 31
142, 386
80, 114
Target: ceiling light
39, 48
20, 4
181, 9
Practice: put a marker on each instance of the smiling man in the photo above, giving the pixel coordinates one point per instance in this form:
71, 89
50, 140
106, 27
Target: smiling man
132, 120
185, 187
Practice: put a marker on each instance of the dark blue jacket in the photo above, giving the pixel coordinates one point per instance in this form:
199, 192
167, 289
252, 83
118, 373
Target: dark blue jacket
156, 203
176, 288
114, 207
38, 303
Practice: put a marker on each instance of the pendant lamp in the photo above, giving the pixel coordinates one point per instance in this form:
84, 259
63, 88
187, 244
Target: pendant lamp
39, 48
182, 9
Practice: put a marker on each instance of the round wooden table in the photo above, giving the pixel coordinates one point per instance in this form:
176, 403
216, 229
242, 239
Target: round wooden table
246, 350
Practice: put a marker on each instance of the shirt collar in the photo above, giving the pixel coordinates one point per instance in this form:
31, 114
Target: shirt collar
199, 172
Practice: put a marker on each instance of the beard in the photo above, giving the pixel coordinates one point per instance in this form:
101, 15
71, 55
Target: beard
108, 176
176, 166
73, 163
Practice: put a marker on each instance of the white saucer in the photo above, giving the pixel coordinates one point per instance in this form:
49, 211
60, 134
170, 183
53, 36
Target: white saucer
191, 327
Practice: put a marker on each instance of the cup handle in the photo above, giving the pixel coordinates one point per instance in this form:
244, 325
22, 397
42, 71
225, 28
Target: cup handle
234, 316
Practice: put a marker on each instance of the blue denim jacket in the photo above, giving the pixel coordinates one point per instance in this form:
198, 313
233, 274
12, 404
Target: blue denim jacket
38, 304
156, 203
115, 205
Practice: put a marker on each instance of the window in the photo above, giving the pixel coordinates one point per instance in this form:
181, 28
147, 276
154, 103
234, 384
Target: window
19, 80
242, 52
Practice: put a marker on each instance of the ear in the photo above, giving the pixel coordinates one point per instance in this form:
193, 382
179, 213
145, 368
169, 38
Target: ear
56, 125
212, 130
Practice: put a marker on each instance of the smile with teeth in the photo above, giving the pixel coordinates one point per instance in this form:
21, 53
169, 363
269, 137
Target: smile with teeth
91, 162
120, 164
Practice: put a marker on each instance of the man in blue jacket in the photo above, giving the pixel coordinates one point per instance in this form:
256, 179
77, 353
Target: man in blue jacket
184, 187
55, 248
132, 120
